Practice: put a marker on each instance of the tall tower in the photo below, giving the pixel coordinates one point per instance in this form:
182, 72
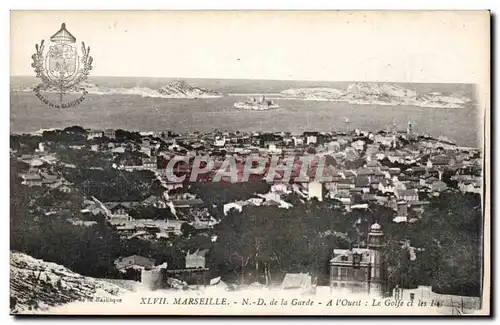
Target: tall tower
376, 244
408, 129
346, 122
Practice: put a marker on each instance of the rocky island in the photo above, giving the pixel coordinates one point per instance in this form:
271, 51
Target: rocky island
181, 89
255, 104
174, 89
379, 94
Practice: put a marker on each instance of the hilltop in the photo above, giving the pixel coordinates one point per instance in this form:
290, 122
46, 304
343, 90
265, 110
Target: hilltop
379, 94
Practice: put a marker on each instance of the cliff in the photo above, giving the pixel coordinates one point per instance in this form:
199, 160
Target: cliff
379, 94
314, 93
37, 286
180, 89
378, 91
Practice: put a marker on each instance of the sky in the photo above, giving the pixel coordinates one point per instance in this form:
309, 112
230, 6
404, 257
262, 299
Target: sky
430, 47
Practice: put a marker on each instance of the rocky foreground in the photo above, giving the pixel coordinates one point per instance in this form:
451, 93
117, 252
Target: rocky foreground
37, 286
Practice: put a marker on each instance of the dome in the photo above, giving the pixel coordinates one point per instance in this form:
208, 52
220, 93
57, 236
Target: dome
63, 36
376, 227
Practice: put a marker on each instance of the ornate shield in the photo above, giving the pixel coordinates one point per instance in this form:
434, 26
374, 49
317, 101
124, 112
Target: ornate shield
62, 69
62, 62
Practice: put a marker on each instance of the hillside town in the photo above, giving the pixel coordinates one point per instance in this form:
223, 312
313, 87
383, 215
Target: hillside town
120, 179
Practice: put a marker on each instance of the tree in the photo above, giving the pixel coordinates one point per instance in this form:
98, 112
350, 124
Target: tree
188, 230
25, 143
75, 129
72, 135
311, 150
221, 193
111, 184
450, 232
267, 238
355, 164
123, 136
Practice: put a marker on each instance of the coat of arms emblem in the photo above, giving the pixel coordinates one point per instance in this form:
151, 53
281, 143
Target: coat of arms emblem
62, 69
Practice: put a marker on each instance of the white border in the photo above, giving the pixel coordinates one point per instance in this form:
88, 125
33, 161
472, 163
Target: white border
494, 5
256, 4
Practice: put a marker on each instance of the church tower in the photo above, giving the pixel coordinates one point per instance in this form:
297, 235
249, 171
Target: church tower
409, 130
376, 244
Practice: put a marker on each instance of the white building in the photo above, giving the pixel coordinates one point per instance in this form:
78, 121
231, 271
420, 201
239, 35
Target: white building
274, 149
220, 142
315, 189
238, 206
92, 134
312, 139
281, 187
41, 147
358, 145
298, 141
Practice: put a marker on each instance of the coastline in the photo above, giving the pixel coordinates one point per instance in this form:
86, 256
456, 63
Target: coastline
272, 96
145, 92
356, 101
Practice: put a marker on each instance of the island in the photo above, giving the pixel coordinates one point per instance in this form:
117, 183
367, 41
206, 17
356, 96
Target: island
379, 94
173, 89
252, 103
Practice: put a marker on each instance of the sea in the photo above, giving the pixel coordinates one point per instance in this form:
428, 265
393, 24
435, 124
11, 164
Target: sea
136, 113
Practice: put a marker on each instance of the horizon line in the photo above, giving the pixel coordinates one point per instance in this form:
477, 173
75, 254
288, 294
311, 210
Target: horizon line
264, 79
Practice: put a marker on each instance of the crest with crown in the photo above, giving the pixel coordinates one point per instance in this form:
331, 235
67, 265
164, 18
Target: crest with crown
62, 68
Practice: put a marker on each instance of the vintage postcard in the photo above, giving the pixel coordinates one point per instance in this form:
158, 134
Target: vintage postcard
250, 163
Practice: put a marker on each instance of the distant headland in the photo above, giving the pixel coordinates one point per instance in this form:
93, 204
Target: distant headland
379, 94
173, 89
360, 93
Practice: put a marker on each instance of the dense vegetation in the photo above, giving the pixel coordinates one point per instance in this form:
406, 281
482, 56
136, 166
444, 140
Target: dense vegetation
220, 193
89, 250
112, 184
260, 243
450, 231
301, 240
